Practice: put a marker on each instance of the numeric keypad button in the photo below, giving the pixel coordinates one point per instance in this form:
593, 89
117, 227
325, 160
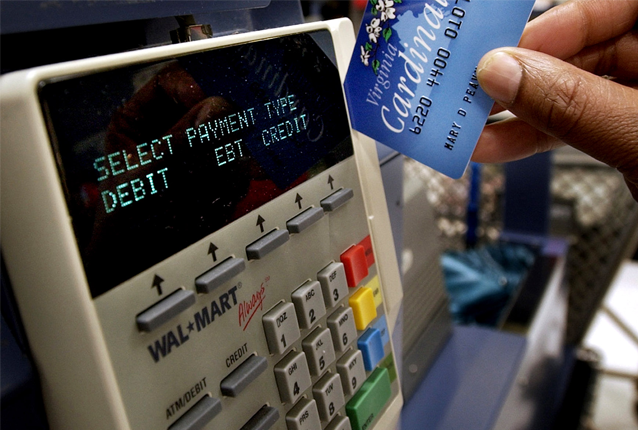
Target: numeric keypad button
308, 301
281, 327
340, 423
319, 350
333, 283
352, 371
329, 396
304, 416
341, 325
292, 376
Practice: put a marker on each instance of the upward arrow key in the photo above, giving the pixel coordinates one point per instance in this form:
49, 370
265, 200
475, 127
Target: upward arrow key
260, 222
157, 283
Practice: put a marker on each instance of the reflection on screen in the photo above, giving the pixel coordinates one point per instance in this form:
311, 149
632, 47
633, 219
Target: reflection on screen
155, 156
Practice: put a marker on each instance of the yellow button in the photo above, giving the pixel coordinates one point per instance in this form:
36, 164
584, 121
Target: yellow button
376, 290
363, 307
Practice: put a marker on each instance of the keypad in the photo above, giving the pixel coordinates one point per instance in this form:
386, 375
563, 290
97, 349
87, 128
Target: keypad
327, 338
334, 359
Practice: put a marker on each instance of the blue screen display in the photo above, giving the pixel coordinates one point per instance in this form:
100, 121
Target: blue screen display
156, 156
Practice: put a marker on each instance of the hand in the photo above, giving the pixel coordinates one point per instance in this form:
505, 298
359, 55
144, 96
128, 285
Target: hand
574, 80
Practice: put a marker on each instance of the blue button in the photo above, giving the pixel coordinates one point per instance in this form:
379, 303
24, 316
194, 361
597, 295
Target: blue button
382, 326
371, 346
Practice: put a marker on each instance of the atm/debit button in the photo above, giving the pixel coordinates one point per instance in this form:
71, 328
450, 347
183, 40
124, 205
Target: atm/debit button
266, 244
219, 274
364, 407
164, 310
264, 419
199, 415
241, 377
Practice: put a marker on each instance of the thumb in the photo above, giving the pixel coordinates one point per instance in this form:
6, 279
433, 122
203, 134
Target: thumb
594, 114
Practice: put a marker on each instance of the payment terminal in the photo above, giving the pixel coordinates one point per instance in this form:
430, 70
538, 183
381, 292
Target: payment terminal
196, 239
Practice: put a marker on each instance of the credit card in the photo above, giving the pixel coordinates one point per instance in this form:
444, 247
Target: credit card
411, 83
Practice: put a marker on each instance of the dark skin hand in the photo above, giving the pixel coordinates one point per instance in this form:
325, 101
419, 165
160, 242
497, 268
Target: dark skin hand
572, 80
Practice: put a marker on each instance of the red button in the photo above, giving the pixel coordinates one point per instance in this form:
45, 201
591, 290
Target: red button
356, 264
367, 246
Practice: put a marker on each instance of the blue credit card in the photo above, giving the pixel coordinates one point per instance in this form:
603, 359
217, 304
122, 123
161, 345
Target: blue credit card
412, 84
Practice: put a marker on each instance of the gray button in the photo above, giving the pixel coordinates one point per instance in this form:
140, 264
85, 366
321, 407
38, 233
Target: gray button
319, 350
292, 376
342, 327
352, 371
304, 220
328, 393
308, 300
199, 415
164, 310
340, 423
337, 199
266, 244
219, 274
281, 327
262, 420
334, 283
241, 377
304, 416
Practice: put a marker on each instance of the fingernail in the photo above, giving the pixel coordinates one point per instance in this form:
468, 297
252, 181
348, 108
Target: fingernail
500, 76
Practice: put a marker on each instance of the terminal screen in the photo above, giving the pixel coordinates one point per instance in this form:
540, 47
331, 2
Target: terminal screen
155, 156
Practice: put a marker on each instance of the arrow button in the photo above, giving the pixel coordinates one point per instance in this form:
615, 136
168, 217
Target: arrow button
266, 244
337, 199
165, 309
219, 274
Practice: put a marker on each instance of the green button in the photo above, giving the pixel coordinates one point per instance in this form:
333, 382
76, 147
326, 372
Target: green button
363, 408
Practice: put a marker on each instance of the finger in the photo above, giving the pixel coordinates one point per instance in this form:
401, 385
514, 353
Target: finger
595, 115
511, 140
616, 57
157, 105
565, 30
